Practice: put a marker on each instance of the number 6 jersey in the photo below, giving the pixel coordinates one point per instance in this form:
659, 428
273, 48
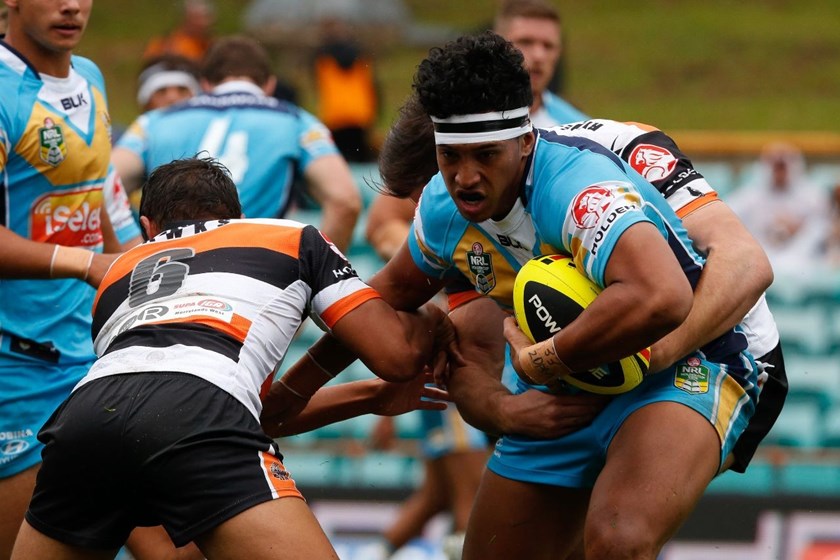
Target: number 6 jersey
220, 300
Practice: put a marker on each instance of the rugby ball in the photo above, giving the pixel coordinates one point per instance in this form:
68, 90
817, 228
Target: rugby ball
549, 293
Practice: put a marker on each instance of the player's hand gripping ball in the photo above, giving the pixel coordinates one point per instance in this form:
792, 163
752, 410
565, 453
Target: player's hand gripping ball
548, 294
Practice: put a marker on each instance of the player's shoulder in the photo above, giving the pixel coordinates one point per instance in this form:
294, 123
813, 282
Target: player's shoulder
561, 110
88, 70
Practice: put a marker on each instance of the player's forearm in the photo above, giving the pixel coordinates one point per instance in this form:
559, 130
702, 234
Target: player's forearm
480, 399
24, 258
338, 223
332, 404
736, 274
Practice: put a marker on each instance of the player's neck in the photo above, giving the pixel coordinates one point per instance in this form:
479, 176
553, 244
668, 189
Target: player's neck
537, 104
44, 60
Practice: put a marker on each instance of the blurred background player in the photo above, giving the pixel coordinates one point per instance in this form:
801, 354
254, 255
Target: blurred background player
264, 142
534, 27
165, 80
191, 37
54, 149
201, 402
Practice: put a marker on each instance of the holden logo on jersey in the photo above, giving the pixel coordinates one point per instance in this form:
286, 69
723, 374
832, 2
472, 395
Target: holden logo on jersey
71, 218
589, 205
654, 163
692, 376
53, 149
481, 267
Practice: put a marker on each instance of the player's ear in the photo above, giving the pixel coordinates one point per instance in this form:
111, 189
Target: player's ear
149, 229
526, 143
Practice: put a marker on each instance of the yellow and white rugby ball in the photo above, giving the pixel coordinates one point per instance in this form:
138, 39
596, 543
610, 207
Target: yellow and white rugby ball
549, 293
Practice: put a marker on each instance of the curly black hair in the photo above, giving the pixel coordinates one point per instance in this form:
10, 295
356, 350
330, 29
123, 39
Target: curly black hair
473, 74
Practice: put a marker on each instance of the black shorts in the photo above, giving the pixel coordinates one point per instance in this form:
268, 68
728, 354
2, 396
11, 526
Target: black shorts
149, 449
770, 402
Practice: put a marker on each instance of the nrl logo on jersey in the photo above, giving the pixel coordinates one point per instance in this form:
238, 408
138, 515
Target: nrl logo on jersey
53, 149
692, 376
481, 267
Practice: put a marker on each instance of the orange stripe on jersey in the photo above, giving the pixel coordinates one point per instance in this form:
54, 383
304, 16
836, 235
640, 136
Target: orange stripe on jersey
280, 238
458, 299
238, 327
278, 477
643, 126
696, 204
342, 307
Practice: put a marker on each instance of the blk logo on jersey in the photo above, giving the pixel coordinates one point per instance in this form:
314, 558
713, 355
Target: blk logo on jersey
589, 205
654, 163
68, 218
73, 102
53, 149
481, 268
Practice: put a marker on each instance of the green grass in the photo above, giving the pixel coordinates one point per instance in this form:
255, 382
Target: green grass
690, 65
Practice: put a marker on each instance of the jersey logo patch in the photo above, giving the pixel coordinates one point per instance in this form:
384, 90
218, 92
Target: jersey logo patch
589, 205
654, 163
692, 377
68, 218
53, 149
481, 267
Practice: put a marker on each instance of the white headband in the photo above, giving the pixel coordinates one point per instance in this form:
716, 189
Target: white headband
482, 127
166, 78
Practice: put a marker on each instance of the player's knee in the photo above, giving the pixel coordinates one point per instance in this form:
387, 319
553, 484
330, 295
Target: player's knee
620, 538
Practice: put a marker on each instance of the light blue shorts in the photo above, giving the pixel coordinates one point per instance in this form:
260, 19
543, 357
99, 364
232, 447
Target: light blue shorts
575, 460
29, 394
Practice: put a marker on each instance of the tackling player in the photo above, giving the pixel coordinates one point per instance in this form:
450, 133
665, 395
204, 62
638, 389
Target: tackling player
165, 427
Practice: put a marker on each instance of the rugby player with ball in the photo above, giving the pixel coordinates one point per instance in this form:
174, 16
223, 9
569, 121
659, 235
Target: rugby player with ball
620, 486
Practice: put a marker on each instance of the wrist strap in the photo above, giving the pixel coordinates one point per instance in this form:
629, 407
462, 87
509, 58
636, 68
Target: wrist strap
70, 262
540, 363
319, 366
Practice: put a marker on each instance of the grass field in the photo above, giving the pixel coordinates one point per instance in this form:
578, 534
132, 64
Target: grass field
772, 65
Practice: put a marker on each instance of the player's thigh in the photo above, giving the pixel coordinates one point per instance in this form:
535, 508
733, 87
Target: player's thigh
462, 472
153, 543
282, 529
16, 491
32, 544
658, 465
512, 519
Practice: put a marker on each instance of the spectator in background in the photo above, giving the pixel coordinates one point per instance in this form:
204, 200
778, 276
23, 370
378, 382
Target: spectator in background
345, 85
782, 208
262, 141
534, 27
192, 36
831, 243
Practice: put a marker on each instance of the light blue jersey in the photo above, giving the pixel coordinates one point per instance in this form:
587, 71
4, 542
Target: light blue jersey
555, 111
577, 199
54, 156
265, 143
